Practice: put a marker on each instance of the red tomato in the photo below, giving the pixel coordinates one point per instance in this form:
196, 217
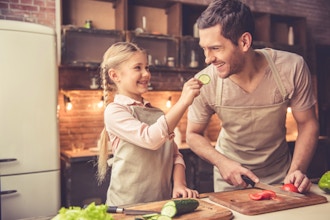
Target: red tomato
290, 187
265, 194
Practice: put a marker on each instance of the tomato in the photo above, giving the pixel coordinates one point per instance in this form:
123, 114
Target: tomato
290, 187
265, 194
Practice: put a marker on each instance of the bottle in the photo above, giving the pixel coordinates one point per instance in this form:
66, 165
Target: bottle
195, 31
193, 62
291, 36
170, 62
88, 24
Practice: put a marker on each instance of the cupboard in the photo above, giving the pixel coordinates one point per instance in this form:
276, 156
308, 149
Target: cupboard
166, 24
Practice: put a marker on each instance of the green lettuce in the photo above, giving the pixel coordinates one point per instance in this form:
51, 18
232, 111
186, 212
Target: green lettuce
91, 212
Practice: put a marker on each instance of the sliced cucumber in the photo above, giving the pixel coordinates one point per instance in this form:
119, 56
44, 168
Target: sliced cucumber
150, 216
179, 207
164, 217
205, 79
156, 216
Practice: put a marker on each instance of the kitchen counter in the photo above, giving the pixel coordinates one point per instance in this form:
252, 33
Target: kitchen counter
92, 153
319, 211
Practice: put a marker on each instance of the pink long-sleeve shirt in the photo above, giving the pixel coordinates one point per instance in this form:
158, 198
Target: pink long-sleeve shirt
120, 124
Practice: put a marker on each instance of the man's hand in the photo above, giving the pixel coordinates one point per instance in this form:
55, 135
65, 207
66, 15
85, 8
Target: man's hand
232, 172
300, 180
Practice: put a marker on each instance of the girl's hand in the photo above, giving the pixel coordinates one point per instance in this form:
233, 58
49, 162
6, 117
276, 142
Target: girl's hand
181, 191
190, 90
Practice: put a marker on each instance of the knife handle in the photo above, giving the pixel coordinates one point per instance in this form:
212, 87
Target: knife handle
114, 209
248, 180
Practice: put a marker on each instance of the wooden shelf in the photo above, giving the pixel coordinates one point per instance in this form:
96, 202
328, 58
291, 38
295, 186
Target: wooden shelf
172, 31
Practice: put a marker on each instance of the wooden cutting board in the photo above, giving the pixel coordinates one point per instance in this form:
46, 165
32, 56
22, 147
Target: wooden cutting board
204, 211
240, 201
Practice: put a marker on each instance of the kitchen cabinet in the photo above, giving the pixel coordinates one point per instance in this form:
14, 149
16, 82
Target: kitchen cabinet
199, 173
78, 179
281, 32
174, 23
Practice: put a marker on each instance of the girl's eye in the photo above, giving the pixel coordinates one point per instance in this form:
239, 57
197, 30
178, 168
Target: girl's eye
147, 68
137, 68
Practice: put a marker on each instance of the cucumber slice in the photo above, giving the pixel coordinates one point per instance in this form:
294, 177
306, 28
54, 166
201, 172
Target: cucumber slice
169, 210
179, 207
204, 78
164, 217
150, 216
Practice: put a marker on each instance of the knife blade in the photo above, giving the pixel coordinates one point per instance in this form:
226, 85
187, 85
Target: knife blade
278, 190
116, 209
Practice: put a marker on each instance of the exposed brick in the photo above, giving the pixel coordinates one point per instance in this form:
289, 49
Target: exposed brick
23, 7
4, 5
27, 2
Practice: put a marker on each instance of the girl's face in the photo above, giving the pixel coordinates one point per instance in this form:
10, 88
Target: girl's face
132, 77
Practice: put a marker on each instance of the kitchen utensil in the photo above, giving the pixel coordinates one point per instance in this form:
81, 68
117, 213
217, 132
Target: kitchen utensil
116, 209
275, 189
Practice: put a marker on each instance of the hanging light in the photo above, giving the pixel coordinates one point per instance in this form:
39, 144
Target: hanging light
67, 103
101, 102
169, 102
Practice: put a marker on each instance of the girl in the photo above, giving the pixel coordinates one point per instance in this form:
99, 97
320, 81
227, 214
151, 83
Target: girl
145, 158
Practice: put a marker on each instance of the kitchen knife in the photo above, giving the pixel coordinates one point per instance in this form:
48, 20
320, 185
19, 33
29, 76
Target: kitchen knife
275, 189
116, 209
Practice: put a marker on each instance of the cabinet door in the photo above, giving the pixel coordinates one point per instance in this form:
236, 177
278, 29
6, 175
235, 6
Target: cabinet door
79, 183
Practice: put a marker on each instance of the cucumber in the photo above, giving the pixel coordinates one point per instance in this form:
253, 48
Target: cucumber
150, 216
155, 217
164, 217
179, 207
205, 79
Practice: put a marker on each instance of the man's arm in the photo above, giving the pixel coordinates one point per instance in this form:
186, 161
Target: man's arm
230, 170
305, 146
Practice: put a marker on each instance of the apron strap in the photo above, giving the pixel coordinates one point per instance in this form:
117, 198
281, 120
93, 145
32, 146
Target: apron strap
219, 88
275, 74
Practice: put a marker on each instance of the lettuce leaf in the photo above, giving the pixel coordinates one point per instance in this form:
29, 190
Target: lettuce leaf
91, 212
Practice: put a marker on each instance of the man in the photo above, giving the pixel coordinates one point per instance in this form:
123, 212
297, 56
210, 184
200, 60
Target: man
250, 91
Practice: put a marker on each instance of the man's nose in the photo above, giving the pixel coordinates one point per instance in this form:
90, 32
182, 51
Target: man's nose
209, 59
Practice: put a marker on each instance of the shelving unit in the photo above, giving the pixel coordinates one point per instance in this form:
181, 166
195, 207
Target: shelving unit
273, 31
168, 29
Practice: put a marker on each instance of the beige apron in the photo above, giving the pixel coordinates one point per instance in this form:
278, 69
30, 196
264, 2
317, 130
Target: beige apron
254, 136
138, 174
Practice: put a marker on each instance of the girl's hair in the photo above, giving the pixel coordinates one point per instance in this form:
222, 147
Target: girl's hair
115, 55
234, 17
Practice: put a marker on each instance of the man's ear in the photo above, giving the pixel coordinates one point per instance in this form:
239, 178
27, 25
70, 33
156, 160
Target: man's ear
113, 75
245, 41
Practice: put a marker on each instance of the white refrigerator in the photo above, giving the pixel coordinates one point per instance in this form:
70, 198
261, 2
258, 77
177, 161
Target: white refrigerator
29, 137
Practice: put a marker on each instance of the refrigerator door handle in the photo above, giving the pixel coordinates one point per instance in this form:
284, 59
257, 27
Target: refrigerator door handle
7, 160
6, 192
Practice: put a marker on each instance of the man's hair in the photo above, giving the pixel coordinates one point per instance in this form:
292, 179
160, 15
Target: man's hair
234, 17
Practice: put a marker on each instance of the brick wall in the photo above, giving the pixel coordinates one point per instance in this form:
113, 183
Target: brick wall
35, 11
85, 120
